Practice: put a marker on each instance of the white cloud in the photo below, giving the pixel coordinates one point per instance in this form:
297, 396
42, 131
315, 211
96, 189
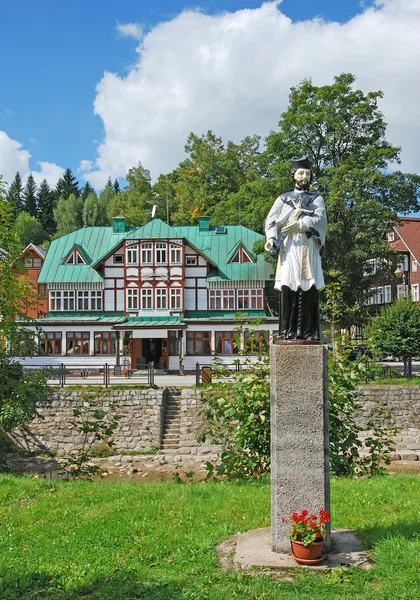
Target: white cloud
232, 72
134, 30
13, 158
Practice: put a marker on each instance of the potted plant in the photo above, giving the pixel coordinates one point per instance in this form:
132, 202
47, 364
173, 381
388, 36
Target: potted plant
307, 536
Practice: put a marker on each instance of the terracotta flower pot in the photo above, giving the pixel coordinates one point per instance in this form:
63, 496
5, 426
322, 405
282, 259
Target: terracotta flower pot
307, 555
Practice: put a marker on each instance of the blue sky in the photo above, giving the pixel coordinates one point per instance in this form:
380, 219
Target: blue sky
53, 55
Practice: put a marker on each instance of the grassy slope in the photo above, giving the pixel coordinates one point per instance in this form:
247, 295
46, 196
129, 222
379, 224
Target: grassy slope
157, 541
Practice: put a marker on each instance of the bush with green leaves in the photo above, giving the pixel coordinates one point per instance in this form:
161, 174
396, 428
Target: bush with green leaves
21, 393
96, 427
349, 455
238, 413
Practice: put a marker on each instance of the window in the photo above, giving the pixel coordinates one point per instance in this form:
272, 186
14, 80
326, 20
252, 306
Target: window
146, 253
415, 292
175, 255
146, 298
105, 342
42, 290
75, 258
379, 295
173, 343
390, 236
161, 298
50, 343
55, 301
215, 299
32, 262
256, 342
402, 291
68, 300
387, 294
161, 250
132, 255
414, 266
228, 300
191, 261
118, 259
83, 300
250, 299
198, 343
132, 299
77, 342
225, 342
176, 299
96, 300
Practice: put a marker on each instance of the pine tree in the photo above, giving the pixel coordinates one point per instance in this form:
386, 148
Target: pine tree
86, 190
109, 183
29, 196
46, 201
67, 185
14, 195
116, 186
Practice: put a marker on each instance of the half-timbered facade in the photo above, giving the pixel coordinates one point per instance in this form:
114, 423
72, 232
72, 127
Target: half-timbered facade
154, 293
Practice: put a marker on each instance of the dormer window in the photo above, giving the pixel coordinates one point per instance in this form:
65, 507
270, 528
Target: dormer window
241, 256
75, 258
390, 236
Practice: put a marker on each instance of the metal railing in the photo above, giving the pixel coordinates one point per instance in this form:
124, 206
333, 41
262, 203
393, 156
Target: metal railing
104, 374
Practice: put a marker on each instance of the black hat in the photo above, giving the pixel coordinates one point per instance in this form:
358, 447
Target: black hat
301, 163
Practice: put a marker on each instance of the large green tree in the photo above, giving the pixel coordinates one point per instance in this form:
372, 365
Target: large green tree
86, 190
212, 173
14, 195
67, 185
29, 230
135, 202
29, 195
395, 332
46, 200
342, 131
69, 215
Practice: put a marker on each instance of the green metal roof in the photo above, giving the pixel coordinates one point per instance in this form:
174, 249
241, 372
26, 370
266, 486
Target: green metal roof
216, 244
95, 241
150, 322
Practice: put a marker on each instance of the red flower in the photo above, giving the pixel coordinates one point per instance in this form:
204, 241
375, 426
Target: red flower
317, 535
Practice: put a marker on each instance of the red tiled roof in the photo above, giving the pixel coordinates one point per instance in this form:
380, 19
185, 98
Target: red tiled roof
409, 231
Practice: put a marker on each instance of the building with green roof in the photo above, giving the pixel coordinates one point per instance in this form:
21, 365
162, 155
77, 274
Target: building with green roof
154, 293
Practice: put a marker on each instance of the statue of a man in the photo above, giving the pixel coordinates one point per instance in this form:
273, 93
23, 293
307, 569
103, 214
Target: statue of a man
295, 228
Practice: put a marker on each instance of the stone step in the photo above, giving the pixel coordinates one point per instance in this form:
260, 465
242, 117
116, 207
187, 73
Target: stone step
171, 447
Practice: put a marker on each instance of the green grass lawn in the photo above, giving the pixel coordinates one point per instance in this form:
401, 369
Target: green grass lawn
158, 541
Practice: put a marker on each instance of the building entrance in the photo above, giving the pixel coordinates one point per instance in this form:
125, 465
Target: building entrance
155, 350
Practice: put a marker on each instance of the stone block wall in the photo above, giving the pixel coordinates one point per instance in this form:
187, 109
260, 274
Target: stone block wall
192, 424
400, 408
139, 427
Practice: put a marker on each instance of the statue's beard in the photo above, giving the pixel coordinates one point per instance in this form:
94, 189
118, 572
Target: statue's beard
302, 185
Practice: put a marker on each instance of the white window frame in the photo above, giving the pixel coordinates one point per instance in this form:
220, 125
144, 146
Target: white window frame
118, 262
176, 299
415, 292
146, 299
387, 294
380, 295
161, 253
132, 253
161, 299
401, 291
175, 254
191, 261
146, 253
132, 299
414, 266
96, 300
390, 236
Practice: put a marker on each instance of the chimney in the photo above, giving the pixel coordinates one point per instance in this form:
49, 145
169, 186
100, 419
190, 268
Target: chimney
118, 225
203, 224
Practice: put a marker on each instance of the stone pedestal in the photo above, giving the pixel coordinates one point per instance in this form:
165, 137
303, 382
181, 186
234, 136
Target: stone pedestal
299, 436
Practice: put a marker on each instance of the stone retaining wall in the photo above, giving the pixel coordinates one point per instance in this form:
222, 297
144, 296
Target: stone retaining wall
399, 407
139, 428
142, 416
